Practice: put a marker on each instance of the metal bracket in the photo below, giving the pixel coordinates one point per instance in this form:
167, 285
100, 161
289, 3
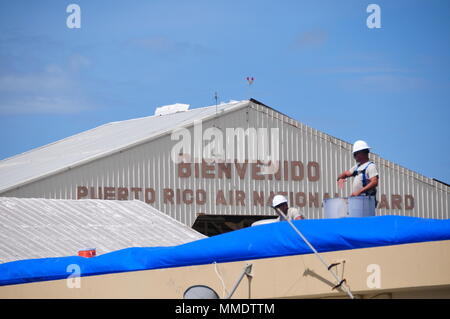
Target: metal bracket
245, 272
339, 284
343, 280
333, 265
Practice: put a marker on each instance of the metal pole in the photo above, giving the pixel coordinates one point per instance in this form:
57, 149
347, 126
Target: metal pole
347, 290
245, 271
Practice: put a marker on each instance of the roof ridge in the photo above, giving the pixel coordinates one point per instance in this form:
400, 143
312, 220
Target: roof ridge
98, 127
71, 163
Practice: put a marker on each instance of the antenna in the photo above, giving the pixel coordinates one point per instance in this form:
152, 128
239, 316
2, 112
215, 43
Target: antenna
216, 97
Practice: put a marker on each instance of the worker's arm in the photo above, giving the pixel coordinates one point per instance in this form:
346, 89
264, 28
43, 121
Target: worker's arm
344, 175
294, 214
373, 182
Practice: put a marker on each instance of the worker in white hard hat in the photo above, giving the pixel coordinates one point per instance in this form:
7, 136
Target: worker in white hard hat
280, 202
365, 172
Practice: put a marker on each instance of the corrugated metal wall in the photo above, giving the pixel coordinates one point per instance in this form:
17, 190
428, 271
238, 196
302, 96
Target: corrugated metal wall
147, 172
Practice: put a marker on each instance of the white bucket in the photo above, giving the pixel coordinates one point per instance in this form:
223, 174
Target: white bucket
335, 207
357, 206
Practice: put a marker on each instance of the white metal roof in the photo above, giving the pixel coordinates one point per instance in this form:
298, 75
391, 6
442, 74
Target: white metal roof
96, 143
38, 228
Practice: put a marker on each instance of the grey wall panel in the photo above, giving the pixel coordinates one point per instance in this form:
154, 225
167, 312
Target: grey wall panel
149, 167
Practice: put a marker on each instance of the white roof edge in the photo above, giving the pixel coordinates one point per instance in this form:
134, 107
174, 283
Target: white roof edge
58, 141
239, 105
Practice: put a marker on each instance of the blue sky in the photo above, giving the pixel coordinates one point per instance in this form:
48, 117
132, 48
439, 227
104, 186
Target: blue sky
316, 61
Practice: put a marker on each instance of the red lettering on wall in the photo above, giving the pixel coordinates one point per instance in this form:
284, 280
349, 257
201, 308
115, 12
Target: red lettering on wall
396, 202
409, 202
168, 195
122, 193
82, 192
110, 193
149, 195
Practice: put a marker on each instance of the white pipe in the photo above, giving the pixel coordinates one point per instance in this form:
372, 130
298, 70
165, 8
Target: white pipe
347, 290
246, 271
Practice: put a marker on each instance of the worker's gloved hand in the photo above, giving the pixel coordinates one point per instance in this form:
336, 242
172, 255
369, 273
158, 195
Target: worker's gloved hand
341, 183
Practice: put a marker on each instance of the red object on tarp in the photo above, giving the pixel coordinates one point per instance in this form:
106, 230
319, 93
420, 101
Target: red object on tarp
88, 253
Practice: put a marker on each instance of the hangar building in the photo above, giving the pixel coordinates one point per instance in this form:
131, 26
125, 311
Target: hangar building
212, 167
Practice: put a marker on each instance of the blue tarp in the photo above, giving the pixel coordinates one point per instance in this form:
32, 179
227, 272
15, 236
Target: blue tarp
264, 241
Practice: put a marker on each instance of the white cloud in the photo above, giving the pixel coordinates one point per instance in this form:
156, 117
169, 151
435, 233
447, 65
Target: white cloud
41, 105
54, 90
36, 82
166, 45
386, 83
78, 62
392, 82
311, 39
374, 77
355, 70
157, 43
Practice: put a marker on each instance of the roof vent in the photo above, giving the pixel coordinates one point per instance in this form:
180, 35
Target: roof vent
172, 108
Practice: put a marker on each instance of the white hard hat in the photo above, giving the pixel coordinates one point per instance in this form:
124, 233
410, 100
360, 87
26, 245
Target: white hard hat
359, 146
278, 199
